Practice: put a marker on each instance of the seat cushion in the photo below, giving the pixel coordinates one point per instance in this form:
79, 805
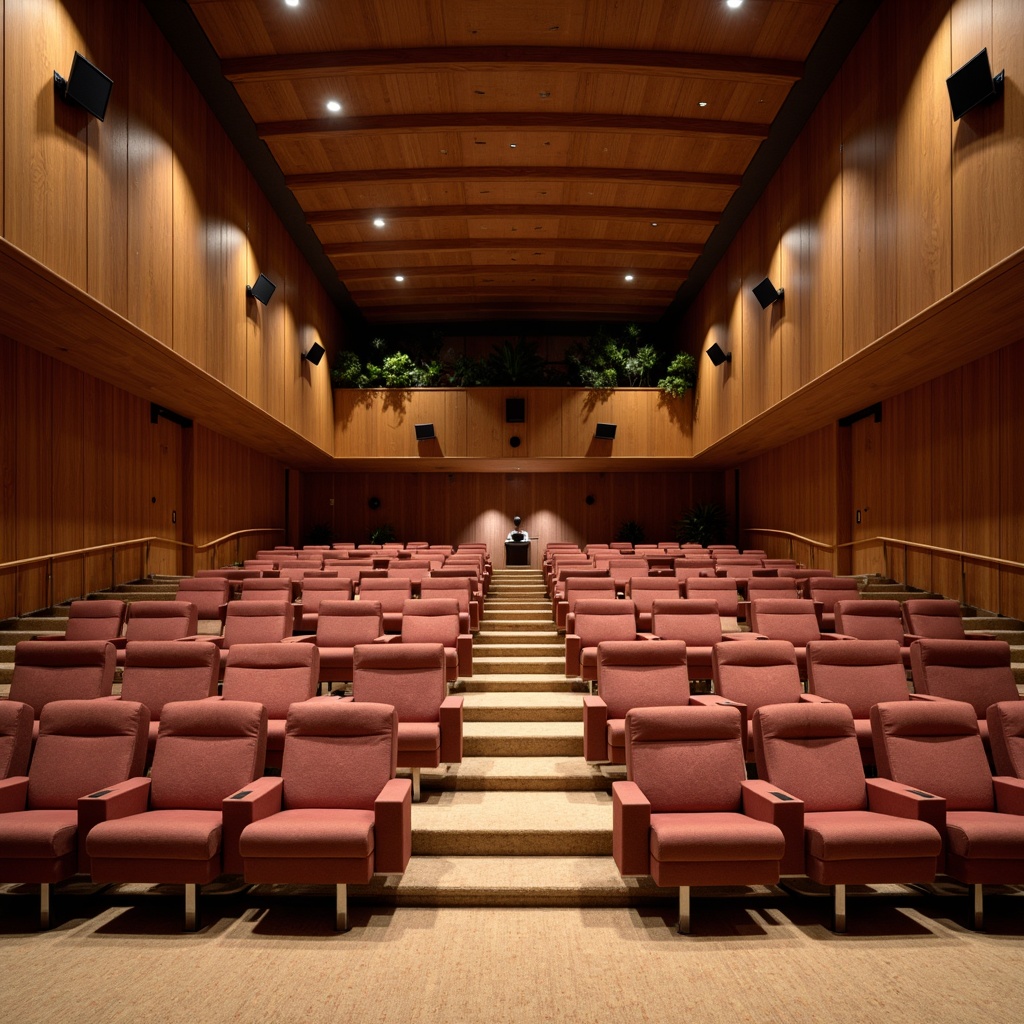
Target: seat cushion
43, 835
310, 832
985, 835
617, 732
867, 835
713, 836
163, 835
419, 736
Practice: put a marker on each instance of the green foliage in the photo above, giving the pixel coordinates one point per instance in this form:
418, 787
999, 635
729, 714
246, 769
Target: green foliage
705, 523
466, 372
607, 360
348, 371
516, 363
680, 375
631, 531
383, 534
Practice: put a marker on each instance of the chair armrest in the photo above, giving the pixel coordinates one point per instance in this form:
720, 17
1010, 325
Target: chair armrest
931, 697
646, 636
573, 649
835, 636
306, 638
345, 700
119, 801
217, 641
451, 730
324, 697
13, 793
1009, 794
392, 827
464, 653
388, 638
814, 698
903, 801
260, 799
765, 802
561, 610
631, 829
743, 636
595, 729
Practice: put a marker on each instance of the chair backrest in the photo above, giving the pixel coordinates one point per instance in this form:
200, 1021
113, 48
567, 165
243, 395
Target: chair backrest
696, 623
47, 670
620, 569
274, 675
584, 588
410, 677
279, 589
935, 746
347, 623
16, 720
316, 591
95, 620
783, 618
160, 620
83, 746
206, 593
257, 622
431, 621
756, 672
830, 589
598, 620
409, 569
460, 589
641, 674
338, 754
811, 751
160, 672
1006, 737
934, 618
392, 594
869, 619
857, 673
205, 751
723, 592
977, 671
804, 574
645, 590
759, 587
686, 759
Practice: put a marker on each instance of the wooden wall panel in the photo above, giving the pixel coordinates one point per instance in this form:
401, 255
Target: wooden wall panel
1010, 421
8, 467
3, 20
761, 380
67, 473
945, 398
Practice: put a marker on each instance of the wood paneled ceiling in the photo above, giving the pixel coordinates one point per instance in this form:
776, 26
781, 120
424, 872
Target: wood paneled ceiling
524, 156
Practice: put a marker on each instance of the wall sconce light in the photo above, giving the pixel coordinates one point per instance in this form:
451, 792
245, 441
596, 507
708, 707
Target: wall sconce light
262, 289
425, 432
766, 293
718, 356
314, 354
86, 86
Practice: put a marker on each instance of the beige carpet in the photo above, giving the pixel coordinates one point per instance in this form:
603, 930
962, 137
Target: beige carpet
904, 960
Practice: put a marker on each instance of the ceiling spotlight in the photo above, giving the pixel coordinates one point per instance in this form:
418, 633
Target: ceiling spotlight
629, 277
291, 3
733, 4
702, 103
399, 278
378, 222
334, 106
654, 223
511, 145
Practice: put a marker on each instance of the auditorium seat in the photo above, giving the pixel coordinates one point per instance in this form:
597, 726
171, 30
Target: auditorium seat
761, 587
827, 590
209, 595
413, 569
314, 593
803, 576
937, 748
620, 570
688, 816
854, 831
936, 620
698, 625
643, 591
789, 619
873, 620
411, 678
83, 747
156, 620
724, 592
279, 588
585, 588
169, 827
391, 595
461, 589
16, 720
91, 620
1006, 737
439, 621
251, 622
341, 625
630, 674
592, 622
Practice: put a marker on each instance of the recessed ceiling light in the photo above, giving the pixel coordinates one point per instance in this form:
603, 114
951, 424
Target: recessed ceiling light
291, 3
702, 103
399, 278
334, 106
734, 3
511, 145
654, 223
378, 222
629, 277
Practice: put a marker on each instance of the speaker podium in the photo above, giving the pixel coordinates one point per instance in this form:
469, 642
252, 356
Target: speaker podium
517, 552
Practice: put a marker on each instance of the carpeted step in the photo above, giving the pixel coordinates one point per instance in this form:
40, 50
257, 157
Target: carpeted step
511, 706
536, 665
52, 623
523, 739
527, 682
552, 648
513, 824
516, 773
515, 623
506, 637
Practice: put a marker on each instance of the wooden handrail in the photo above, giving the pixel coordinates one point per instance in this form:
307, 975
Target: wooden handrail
54, 555
792, 536
238, 533
935, 549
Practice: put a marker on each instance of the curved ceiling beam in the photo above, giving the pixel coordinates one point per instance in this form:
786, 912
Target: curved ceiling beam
619, 175
577, 123
640, 213
272, 67
339, 250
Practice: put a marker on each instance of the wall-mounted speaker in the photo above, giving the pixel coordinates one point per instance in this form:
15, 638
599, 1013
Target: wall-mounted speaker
766, 293
314, 354
605, 431
262, 290
718, 355
973, 84
86, 86
514, 441
515, 410
425, 432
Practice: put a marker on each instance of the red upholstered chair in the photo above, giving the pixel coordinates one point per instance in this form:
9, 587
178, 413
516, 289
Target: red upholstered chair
83, 746
392, 595
438, 621
459, 589
621, 569
687, 816
581, 588
936, 748
91, 620
46, 670
160, 672
859, 674
782, 618
976, 671
415, 570
763, 587
827, 591
630, 674
698, 625
411, 678
209, 595
169, 827
750, 675
645, 590
592, 622
804, 576
724, 592
1006, 737
276, 676
340, 627
15, 737
265, 589
157, 620
873, 620
337, 815
314, 593
937, 619
251, 622
854, 831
